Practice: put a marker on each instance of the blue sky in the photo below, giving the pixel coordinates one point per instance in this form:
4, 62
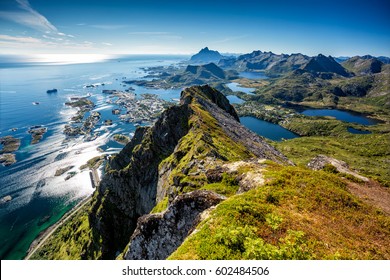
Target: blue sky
182, 27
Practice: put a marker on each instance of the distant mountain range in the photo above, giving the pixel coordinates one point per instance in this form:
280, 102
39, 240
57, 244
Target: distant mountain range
278, 64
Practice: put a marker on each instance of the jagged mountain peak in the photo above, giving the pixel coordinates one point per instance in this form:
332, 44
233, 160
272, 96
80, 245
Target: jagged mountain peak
362, 65
207, 93
325, 64
206, 55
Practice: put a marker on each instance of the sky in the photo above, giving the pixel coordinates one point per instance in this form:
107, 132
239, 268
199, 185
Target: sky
333, 27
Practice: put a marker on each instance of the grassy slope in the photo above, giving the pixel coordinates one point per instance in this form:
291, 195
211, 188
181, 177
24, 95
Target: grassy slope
298, 214
71, 241
205, 139
368, 154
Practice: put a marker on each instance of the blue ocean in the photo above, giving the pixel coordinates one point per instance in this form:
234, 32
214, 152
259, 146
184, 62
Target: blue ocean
40, 199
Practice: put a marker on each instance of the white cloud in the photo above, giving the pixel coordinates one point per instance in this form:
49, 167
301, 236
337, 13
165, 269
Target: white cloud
108, 26
29, 17
24, 40
107, 44
12, 44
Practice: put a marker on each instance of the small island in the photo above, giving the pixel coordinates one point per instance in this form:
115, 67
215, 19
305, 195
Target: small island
107, 122
54, 90
80, 102
84, 106
5, 199
70, 175
7, 159
121, 139
61, 171
93, 163
10, 145
37, 133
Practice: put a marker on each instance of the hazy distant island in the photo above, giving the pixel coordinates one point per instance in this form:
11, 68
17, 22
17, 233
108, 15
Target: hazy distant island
205, 56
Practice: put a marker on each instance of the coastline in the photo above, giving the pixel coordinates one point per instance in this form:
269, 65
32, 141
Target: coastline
45, 234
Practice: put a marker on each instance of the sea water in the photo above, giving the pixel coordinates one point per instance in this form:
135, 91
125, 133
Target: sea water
39, 199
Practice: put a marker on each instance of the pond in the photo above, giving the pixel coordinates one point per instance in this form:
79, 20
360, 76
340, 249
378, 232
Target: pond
266, 129
238, 87
234, 99
357, 131
345, 116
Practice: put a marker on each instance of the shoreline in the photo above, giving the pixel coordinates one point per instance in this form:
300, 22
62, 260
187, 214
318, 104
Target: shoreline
45, 234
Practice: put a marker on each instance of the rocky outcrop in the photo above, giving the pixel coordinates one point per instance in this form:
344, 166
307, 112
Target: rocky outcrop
37, 133
7, 159
9, 145
322, 161
61, 171
159, 235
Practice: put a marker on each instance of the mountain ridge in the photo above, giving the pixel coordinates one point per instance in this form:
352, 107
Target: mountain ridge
134, 185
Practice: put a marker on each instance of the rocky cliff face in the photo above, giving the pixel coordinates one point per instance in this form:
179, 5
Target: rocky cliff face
159, 235
165, 161
128, 190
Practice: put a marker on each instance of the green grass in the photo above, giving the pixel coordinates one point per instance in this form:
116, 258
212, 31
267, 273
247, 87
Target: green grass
227, 187
204, 140
161, 206
368, 154
73, 240
298, 214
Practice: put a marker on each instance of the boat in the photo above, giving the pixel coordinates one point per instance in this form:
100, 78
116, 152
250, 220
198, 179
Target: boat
35, 103
54, 90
